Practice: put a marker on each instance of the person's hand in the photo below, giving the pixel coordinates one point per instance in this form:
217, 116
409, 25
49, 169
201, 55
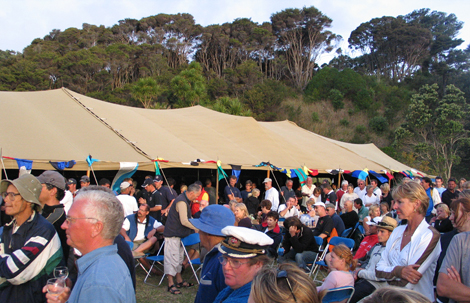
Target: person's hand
411, 274
142, 200
63, 297
453, 274
356, 271
433, 219
293, 231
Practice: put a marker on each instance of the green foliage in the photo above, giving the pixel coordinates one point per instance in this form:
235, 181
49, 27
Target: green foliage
336, 97
231, 106
315, 117
360, 129
189, 87
378, 124
147, 91
344, 122
434, 128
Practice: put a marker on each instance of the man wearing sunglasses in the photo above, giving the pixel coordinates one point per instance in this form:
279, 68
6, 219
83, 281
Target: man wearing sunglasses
29, 246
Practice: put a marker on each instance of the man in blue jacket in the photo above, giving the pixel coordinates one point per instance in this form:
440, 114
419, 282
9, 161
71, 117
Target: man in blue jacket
210, 224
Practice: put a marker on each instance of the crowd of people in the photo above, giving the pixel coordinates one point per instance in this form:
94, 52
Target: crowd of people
411, 240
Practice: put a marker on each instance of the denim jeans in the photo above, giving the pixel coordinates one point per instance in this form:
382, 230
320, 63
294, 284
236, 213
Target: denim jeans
302, 259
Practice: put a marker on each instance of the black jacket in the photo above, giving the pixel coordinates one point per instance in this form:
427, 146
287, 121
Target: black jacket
304, 241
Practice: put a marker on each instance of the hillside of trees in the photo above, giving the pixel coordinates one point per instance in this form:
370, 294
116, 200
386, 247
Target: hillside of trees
406, 89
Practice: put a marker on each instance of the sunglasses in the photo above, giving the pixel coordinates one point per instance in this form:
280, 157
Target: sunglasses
283, 274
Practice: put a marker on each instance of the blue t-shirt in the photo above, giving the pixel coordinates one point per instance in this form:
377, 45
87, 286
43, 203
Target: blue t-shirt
245, 194
212, 280
229, 190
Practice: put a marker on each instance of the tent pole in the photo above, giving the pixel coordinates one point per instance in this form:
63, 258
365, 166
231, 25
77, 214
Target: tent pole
339, 178
217, 185
268, 174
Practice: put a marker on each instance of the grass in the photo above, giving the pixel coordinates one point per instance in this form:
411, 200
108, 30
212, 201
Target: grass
148, 293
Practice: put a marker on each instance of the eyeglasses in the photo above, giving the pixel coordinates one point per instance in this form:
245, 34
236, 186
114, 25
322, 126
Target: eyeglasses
10, 195
72, 219
235, 264
283, 274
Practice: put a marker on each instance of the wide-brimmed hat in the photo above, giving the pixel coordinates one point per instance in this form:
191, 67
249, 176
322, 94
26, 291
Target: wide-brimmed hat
387, 223
53, 178
213, 219
28, 187
243, 242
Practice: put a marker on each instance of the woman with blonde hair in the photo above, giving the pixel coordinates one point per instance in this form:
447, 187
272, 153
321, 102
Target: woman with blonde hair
374, 211
241, 216
341, 264
410, 256
285, 284
350, 195
395, 295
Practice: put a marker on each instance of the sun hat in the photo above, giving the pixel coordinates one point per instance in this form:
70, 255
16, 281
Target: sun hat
28, 187
387, 223
213, 219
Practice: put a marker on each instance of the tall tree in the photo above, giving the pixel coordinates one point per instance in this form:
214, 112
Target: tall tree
189, 86
147, 91
302, 35
434, 128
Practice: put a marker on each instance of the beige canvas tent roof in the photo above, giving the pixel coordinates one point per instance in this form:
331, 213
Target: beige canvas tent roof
61, 125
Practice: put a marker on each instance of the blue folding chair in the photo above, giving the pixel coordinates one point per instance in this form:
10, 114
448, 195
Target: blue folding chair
320, 256
333, 241
340, 240
346, 232
158, 259
188, 241
338, 295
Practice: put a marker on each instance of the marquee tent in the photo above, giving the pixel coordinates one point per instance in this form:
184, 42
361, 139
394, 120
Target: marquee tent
61, 125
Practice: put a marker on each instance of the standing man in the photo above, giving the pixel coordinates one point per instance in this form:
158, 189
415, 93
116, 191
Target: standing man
153, 199
168, 196
342, 190
211, 191
93, 223
271, 194
330, 195
377, 190
287, 191
450, 193
439, 186
433, 194
53, 190
307, 192
72, 185
30, 244
177, 227
360, 190
129, 203
231, 192
247, 190
210, 224
84, 181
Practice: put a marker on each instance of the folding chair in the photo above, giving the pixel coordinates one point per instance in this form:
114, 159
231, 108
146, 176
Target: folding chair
320, 256
187, 241
333, 241
136, 259
155, 259
338, 295
346, 233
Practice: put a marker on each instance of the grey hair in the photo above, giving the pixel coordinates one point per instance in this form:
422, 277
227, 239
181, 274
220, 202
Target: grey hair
105, 207
193, 188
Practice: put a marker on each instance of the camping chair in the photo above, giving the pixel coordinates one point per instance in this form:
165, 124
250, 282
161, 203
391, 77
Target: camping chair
338, 295
188, 241
137, 259
346, 233
155, 259
320, 256
334, 241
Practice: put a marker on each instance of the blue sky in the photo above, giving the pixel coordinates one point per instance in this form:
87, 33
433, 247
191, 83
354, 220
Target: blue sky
21, 21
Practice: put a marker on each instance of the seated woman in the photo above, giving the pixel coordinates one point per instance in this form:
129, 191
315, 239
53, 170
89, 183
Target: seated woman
441, 221
385, 209
410, 256
370, 198
316, 194
285, 284
386, 194
241, 216
374, 211
340, 264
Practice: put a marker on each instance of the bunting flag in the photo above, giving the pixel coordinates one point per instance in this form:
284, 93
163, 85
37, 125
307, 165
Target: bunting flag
222, 173
90, 160
126, 170
236, 170
379, 177
389, 175
63, 165
360, 174
157, 168
268, 164
292, 174
410, 173
405, 174
27, 164
301, 175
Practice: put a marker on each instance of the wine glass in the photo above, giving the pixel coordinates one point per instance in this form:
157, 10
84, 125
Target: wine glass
55, 286
61, 272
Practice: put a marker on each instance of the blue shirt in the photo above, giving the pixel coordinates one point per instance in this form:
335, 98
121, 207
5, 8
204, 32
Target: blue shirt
102, 277
239, 295
229, 190
212, 280
431, 202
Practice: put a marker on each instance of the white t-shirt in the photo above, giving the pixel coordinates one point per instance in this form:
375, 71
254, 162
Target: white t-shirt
67, 201
272, 195
140, 228
309, 191
290, 213
368, 201
360, 193
129, 204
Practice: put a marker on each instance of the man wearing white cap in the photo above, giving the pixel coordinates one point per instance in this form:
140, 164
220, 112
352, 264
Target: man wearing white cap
325, 224
29, 246
243, 255
271, 194
369, 241
129, 203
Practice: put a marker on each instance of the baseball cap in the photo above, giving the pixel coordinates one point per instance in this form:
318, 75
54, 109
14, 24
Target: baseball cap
53, 178
85, 179
374, 222
158, 178
320, 204
124, 185
147, 182
71, 181
267, 180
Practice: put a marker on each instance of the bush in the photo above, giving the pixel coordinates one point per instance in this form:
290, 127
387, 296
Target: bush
336, 97
344, 122
378, 124
315, 117
361, 129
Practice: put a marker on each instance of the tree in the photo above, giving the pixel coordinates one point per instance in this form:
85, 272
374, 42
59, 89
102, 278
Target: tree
189, 87
147, 91
302, 36
231, 106
434, 128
